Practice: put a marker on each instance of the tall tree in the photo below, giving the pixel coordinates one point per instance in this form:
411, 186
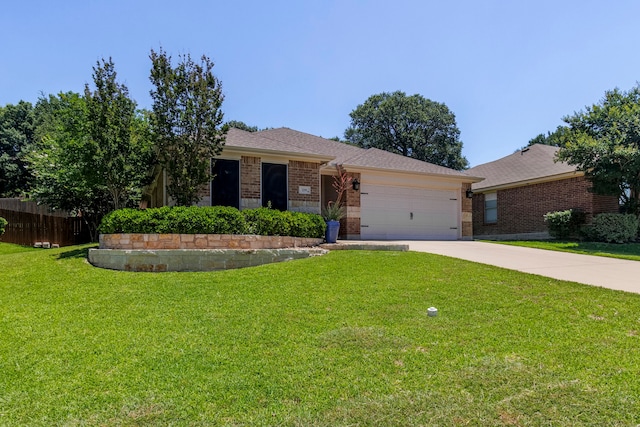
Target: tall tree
61, 157
119, 137
604, 142
412, 126
186, 122
16, 136
93, 153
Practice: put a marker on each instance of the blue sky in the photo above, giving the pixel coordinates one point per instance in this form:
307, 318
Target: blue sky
509, 70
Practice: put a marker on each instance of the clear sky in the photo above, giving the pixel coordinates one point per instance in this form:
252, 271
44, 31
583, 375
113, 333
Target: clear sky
509, 70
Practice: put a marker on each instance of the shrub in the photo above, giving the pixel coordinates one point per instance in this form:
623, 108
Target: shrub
270, 222
564, 224
213, 220
612, 227
3, 224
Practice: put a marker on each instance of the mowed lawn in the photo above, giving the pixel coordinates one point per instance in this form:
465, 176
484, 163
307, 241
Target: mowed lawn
338, 340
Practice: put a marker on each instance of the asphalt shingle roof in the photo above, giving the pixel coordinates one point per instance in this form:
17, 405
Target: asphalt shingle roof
351, 156
535, 162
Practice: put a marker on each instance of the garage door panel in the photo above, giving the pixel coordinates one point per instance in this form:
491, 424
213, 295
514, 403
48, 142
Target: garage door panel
408, 213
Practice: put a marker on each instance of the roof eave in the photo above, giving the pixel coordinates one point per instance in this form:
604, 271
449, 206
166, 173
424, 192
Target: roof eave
541, 180
461, 177
321, 158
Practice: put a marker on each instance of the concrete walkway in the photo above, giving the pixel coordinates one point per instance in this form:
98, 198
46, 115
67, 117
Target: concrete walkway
609, 273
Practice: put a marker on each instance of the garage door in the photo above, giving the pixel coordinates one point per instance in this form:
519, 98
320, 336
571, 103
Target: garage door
388, 212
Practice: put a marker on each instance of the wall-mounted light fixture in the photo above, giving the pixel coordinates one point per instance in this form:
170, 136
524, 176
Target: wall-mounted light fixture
356, 184
469, 194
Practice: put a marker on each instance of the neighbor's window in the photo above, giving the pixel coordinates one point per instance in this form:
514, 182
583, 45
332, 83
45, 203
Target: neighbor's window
491, 208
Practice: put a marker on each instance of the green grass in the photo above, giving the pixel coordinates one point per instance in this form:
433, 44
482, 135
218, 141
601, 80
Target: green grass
629, 251
338, 340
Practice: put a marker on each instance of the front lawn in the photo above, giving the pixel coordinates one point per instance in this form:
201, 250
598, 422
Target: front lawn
342, 339
613, 250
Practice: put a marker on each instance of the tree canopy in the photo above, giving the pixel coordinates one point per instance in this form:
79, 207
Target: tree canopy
186, 122
92, 153
604, 142
17, 129
242, 126
412, 126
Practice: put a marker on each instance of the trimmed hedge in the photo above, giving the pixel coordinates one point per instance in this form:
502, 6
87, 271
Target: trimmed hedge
213, 220
564, 224
612, 227
3, 224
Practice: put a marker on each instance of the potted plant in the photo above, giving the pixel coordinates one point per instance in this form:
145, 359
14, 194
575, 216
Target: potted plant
335, 211
332, 214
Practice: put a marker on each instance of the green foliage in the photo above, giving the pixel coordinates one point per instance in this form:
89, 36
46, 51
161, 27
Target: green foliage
242, 126
186, 122
120, 143
616, 228
16, 137
3, 224
93, 152
213, 220
271, 222
412, 126
179, 219
564, 224
333, 212
558, 138
604, 142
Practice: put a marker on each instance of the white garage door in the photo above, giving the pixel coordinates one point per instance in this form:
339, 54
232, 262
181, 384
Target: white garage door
388, 212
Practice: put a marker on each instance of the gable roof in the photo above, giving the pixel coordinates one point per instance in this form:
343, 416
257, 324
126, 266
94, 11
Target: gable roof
355, 157
534, 163
243, 140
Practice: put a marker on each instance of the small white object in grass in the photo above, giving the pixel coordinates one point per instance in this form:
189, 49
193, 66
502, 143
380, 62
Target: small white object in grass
432, 311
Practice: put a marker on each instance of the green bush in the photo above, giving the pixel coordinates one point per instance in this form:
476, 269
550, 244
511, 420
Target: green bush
3, 224
564, 224
213, 220
616, 228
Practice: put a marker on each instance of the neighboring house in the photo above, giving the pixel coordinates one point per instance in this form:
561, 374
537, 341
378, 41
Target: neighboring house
520, 188
395, 197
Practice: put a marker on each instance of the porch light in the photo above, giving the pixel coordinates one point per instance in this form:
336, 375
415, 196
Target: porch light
356, 184
469, 193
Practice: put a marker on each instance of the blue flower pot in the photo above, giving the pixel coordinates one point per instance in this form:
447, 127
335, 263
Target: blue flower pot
331, 234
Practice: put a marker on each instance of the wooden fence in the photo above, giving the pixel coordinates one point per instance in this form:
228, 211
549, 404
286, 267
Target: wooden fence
30, 223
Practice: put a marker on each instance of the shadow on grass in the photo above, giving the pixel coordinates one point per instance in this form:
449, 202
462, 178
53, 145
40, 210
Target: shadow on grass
75, 253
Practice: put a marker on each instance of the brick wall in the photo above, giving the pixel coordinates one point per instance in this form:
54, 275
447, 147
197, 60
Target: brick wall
350, 224
304, 174
250, 195
467, 215
521, 209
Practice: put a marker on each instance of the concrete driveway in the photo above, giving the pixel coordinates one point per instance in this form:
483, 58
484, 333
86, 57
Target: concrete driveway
609, 273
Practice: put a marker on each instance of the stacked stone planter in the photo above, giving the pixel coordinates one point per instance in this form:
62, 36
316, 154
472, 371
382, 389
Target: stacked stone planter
197, 252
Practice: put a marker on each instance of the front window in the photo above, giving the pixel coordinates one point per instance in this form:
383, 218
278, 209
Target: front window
491, 208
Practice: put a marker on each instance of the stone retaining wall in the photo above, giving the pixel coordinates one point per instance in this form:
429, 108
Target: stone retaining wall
160, 260
203, 241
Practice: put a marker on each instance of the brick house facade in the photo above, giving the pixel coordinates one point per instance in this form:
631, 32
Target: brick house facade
519, 206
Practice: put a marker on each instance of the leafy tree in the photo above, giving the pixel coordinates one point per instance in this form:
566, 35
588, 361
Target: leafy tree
604, 142
558, 138
61, 158
242, 126
93, 152
16, 136
409, 125
119, 138
186, 122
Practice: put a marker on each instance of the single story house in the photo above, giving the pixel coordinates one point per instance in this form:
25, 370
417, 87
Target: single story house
391, 196
520, 188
